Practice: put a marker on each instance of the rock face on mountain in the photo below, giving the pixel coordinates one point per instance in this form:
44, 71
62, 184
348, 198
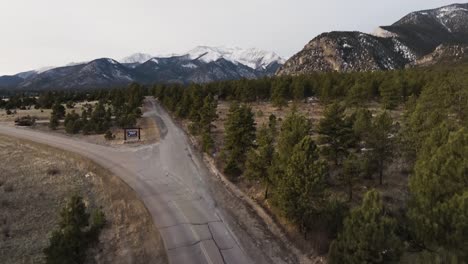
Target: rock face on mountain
200, 65
347, 51
390, 47
446, 54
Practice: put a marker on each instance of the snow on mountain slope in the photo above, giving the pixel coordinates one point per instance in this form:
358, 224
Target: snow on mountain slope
136, 58
253, 58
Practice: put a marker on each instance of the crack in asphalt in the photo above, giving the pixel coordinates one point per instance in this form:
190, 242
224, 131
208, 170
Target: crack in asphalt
193, 224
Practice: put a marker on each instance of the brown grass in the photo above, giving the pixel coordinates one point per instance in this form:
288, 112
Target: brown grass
42, 178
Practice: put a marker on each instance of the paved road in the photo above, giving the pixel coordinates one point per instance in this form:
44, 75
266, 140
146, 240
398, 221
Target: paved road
170, 180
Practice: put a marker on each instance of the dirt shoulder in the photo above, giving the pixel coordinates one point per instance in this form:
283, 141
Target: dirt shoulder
35, 182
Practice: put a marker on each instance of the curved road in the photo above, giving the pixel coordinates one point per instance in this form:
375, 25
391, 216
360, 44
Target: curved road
170, 180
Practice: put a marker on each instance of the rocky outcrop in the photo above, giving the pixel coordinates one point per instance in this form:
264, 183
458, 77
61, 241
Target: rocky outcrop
347, 52
444, 54
406, 42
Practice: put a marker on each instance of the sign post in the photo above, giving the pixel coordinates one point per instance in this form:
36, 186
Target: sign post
132, 134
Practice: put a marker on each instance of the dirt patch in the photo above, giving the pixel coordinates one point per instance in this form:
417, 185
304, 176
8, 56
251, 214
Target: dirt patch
35, 182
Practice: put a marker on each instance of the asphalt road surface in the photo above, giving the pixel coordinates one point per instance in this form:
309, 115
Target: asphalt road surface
171, 181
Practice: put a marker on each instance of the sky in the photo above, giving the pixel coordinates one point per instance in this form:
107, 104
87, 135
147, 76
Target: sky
42, 33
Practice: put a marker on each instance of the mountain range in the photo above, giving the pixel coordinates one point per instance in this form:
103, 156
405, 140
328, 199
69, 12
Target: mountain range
200, 65
419, 39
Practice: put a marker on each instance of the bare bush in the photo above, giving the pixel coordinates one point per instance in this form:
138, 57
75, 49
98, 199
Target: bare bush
53, 171
8, 188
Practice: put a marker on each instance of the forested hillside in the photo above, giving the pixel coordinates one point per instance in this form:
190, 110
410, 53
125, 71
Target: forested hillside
359, 167
382, 176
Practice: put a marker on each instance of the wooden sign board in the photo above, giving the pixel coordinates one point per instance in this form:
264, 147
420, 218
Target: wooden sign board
132, 134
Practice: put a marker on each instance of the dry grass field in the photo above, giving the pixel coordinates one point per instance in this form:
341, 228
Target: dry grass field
40, 114
36, 181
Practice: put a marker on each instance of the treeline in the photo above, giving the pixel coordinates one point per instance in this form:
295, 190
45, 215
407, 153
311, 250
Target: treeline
119, 107
299, 164
356, 89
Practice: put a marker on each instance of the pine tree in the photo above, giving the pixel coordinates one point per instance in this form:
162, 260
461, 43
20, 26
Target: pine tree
362, 123
368, 235
439, 187
240, 136
53, 122
300, 192
207, 115
279, 93
58, 110
75, 235
336, 133
259, 160
294, 128
352, 171
72, 123
390, 94
381, 141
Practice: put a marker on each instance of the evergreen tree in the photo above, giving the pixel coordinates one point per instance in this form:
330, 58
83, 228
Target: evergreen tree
381, 142
240, 136
53, 122
294, 128
75, 235
300, 193
279, 93
362, 123
72, 123
207, 114
439, 187
259, 160
58, 110
368, 235
390, 94
272, 124
352, 171
336, 133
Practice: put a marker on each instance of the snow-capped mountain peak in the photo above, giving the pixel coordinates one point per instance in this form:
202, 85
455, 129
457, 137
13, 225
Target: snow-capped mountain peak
253, 58
136, 58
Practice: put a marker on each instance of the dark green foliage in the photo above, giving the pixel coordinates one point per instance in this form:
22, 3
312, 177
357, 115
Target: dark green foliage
207, 142
53, 122
240, 136
336, 133
300, 192
279, 93
72, 123
362, 123
381, 142
390, 94
368, 235
439, 205
58, 110
352, 172
75, 235
294, 128
259, 160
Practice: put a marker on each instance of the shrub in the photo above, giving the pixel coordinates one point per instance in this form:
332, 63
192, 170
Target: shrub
53, 171
8, 188
68, 244
109, 135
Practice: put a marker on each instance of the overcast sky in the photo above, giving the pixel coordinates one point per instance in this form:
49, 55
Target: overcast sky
55, 32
